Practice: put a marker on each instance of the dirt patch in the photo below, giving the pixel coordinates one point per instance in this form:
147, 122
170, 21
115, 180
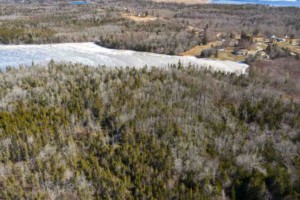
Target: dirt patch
184, 1
139, 19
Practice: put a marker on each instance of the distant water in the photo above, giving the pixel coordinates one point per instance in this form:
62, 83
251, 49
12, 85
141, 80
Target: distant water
79, 2
294, 3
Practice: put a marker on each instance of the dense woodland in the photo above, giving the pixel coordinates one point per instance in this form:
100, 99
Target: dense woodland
177, 27
69, 131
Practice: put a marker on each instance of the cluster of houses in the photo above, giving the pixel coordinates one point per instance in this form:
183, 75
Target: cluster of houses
273, 39
262, 41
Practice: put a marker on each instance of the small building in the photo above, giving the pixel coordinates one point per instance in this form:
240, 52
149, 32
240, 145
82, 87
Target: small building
141, 15
281, 39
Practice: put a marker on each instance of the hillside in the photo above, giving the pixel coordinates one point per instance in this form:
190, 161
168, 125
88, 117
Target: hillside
173, 28
78, 132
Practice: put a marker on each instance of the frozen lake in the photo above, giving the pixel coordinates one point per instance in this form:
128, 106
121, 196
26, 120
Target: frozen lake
94, 55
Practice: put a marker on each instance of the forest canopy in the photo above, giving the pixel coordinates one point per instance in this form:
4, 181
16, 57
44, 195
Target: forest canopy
69, 131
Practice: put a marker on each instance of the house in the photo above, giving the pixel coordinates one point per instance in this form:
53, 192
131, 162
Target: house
142, 15
273, 39
281, 39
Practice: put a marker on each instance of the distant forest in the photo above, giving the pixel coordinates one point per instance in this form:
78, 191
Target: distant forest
177, 27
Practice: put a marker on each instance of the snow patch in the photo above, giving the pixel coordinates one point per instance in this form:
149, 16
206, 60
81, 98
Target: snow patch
94, 55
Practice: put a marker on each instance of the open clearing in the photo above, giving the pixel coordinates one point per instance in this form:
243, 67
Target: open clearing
291, 47
225, 54
139, 19
184, 1
199, 48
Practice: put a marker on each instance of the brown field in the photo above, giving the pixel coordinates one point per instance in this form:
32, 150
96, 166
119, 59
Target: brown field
291, 47
225, 54
139, 19
184, 1
199, 48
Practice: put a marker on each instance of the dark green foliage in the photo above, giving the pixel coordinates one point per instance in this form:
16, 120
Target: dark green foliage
263, 112
276, 52
77, 132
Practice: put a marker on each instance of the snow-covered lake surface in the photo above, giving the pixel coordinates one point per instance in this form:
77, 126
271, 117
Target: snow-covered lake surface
94, 55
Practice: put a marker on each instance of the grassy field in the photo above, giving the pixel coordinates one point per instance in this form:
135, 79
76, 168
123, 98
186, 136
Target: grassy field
225, 54
290, 46
199, 48
228, 55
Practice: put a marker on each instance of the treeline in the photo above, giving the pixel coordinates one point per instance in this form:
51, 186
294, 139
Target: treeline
234, 18
103, 25
15, 35
69, 131
177, 29
158, 36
